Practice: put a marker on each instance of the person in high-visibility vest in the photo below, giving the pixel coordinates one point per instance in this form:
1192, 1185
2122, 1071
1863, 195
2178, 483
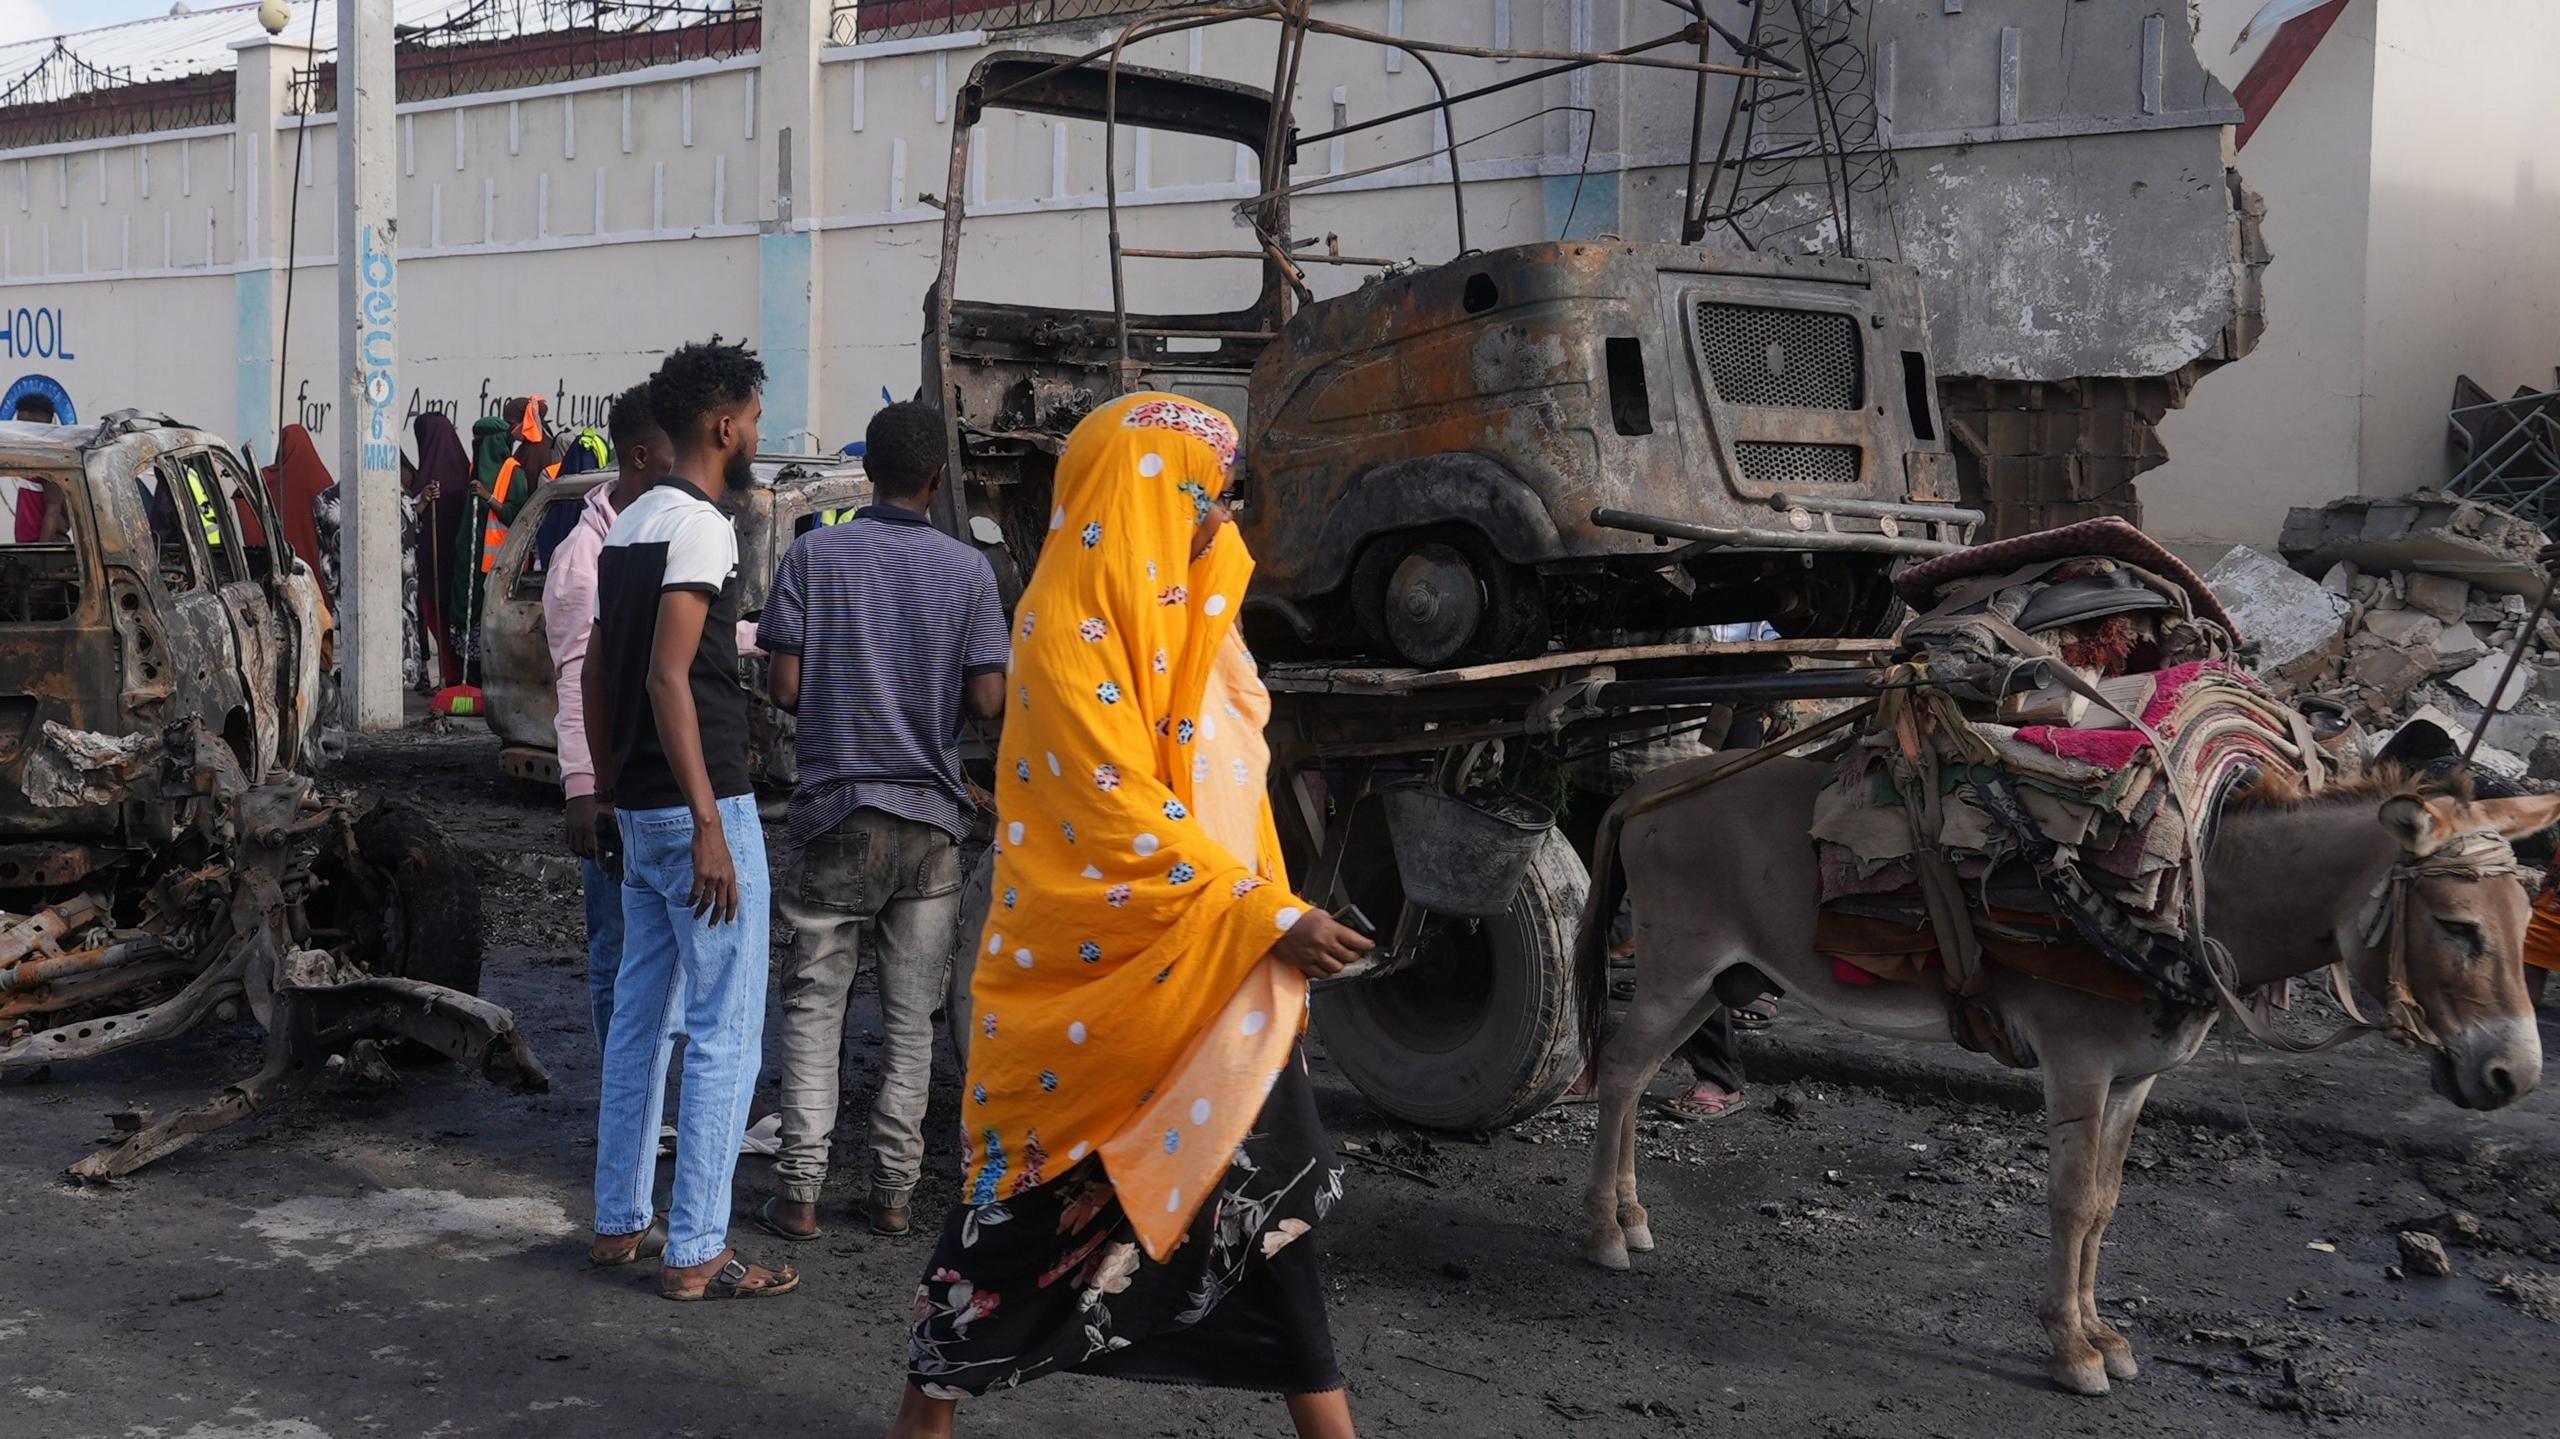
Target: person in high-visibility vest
512, 454
206, 514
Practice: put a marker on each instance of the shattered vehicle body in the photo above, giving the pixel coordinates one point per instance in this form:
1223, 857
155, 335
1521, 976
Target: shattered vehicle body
1482, 458
165, 858
792, 494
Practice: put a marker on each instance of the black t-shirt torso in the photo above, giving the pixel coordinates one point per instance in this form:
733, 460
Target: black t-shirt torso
671, 538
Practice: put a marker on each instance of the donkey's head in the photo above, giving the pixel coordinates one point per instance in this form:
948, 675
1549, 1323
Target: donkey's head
2442, 941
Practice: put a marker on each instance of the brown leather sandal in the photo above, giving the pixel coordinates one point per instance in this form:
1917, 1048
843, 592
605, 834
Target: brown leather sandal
612, 1251
736, 1279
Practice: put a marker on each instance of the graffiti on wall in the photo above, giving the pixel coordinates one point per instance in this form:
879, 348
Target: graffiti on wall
378, 351
570, 409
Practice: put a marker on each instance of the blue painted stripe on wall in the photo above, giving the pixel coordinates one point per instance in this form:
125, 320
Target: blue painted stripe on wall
786, 324
253, 421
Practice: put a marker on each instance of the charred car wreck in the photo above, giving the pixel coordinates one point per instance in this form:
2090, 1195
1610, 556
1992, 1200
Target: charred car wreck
165, 857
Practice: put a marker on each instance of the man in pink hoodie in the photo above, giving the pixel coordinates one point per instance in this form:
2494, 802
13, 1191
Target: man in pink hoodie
568, 610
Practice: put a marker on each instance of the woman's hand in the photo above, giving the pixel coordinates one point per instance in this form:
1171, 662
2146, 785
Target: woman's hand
1320, 945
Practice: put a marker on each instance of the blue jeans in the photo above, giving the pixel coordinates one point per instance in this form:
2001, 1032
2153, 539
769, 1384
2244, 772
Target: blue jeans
604, 943
682, 976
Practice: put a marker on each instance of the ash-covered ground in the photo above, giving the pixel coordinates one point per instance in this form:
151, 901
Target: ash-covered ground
1858, 1253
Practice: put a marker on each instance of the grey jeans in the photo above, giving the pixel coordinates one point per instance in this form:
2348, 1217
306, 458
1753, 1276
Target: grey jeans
886, 889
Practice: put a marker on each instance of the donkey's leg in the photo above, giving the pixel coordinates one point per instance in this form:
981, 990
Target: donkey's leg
2123, 1108
2075, 1097
1667, 997
1631, 1211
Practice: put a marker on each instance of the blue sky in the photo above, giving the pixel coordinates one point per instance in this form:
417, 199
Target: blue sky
27, 19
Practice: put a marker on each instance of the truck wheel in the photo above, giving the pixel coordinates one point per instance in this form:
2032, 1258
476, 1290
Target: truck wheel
1479, 1031
1429, 597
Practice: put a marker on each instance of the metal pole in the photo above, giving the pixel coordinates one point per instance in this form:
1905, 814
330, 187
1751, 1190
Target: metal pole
368, 367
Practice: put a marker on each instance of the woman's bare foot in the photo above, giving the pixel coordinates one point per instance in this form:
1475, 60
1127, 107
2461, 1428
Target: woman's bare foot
921, 1416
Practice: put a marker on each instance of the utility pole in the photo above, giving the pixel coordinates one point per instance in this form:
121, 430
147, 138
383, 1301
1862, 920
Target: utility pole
369, 368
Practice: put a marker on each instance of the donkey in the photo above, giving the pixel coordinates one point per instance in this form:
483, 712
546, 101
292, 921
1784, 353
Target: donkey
1724, 877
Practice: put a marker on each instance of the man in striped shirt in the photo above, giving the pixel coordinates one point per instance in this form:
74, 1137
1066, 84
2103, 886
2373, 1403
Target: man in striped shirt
883, 631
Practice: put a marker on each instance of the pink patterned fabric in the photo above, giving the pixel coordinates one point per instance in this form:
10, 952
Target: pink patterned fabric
2115, 748
1198, 421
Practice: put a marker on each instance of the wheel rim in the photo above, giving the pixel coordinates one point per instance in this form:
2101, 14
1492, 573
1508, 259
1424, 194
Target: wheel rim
1434, 603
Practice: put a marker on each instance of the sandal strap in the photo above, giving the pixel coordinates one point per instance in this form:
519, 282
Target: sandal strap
732, 1274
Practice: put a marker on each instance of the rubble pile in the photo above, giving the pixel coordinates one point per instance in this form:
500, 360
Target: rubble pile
2403, 608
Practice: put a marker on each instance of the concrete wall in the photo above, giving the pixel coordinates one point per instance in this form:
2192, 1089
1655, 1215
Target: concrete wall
2280, 428
559, 240
2461, 266
2411, 199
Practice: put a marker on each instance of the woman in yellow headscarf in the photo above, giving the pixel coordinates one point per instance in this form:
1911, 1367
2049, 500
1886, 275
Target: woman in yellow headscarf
1141, 1147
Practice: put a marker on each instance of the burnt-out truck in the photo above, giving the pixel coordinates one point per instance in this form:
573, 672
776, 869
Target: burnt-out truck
1493, 456
1494, 502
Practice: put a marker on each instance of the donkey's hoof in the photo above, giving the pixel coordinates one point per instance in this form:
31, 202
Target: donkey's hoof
1608, 1255
2119, 1361
1640, 1238
2088, 1378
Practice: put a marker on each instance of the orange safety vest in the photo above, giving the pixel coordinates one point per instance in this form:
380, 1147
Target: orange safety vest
493, 534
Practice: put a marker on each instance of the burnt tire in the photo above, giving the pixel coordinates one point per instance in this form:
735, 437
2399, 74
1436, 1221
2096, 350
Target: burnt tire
1439, 596
1481, 1031
423, 921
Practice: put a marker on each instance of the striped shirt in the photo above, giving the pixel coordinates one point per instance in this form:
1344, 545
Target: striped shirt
891, 619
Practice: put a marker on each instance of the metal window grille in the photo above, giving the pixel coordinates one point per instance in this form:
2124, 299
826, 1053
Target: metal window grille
1796, 359
1787, 464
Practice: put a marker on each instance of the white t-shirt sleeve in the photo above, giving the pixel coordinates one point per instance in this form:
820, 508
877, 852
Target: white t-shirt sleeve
702, 552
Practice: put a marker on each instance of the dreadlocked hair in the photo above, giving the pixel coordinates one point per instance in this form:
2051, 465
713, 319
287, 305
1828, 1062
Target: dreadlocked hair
699, 378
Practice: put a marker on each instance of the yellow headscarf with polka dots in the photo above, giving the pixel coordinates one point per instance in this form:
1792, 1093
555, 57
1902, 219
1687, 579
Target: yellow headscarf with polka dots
1126, 999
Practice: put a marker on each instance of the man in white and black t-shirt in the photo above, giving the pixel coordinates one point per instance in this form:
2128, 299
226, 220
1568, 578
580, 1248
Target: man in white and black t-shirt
669, 720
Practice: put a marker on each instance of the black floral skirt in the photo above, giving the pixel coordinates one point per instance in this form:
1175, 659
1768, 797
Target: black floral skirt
1053, 1278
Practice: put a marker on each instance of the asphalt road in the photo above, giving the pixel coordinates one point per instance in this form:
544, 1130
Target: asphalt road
1856, 1254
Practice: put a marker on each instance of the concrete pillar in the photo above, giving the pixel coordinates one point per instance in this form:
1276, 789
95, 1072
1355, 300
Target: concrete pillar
369, 368
789, 149
257, 224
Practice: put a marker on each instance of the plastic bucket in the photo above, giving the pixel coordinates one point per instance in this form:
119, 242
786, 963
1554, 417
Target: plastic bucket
1458, 857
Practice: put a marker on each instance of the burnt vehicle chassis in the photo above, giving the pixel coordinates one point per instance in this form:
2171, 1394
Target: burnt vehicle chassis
165, 857
336, 932
1535, 446
1741, 437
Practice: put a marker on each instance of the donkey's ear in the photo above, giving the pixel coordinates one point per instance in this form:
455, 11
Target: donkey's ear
2421, 825
2516, 818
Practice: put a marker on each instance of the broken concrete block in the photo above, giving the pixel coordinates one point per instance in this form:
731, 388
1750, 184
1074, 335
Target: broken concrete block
2505, 764
2423, 1254
2291, 623
2341, 580
2389, 673
2458, 647
2440, 595
2479, 683
2429, 531
2544, 762
2408, 629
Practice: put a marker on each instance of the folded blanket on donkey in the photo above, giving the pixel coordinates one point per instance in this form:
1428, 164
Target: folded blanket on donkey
2085, 816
